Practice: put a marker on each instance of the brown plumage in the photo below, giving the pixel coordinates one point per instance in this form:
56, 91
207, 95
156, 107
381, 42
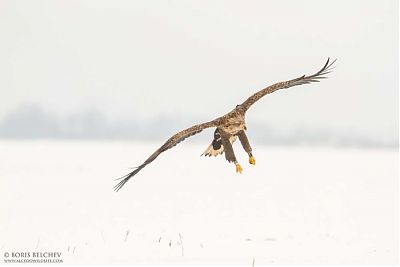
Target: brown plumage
230, 125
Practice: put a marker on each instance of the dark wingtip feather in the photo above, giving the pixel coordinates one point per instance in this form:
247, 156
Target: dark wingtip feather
126, 178
326, 63
328, 66
326, 69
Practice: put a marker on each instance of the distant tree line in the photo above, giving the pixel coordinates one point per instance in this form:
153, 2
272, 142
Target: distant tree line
32, 122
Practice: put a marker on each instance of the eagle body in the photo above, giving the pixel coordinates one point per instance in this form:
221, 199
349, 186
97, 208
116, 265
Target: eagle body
233, 122
229, 127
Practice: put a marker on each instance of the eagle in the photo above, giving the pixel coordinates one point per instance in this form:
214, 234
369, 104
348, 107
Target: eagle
229, 127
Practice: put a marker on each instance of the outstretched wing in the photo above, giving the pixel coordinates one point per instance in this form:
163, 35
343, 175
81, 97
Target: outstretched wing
171, 142
286, 84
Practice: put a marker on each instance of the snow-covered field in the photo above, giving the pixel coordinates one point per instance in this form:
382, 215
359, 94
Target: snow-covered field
298, 205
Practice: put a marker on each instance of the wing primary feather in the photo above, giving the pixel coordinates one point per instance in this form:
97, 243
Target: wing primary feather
128, 176
125, 178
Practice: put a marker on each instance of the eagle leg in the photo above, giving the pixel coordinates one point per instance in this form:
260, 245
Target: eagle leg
246, 145
229, 153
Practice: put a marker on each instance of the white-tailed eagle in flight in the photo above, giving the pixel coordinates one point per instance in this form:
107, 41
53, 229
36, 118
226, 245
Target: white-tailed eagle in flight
229, 126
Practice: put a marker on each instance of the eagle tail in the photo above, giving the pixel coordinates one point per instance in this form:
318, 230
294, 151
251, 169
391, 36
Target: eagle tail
210, 151
216, 148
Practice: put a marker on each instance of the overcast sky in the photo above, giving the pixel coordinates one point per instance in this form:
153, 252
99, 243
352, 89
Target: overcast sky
144, 59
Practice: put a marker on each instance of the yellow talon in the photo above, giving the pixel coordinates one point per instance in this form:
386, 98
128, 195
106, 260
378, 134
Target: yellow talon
239, 168
252, 160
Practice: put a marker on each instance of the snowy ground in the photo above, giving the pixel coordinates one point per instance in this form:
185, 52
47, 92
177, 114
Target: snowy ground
296, 206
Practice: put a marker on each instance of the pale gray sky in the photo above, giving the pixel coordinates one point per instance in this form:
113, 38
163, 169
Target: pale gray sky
143, 59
